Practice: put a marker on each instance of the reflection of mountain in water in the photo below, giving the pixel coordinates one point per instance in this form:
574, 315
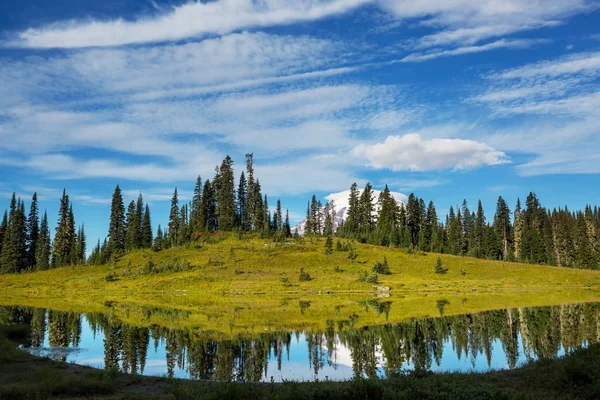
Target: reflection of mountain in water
520, 334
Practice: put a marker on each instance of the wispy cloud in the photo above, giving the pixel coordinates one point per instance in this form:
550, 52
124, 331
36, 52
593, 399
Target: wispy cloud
499, 44
193, 19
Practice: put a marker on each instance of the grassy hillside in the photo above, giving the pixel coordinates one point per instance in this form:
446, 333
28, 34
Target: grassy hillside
226, 264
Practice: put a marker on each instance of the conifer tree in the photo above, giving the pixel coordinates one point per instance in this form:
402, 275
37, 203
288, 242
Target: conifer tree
147, 229
174, 223
329, 245
517, 230
308, 227
352, 218
64, 239
226, 208
3, 228
116, 228
158, 240
81, 243
266, 224
42, 257
195, 220
386, 220
14, 250
502, 228
328, 224
250, 195
259, 207
478, 237
131, 227
278, 217
366, 222
287, 227
33, 232
137, 222
242, 210
413, 216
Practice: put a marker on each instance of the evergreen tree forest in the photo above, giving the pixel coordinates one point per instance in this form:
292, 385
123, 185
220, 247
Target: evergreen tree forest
26, 242
530, 233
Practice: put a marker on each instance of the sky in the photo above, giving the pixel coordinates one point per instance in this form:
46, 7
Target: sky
449, 100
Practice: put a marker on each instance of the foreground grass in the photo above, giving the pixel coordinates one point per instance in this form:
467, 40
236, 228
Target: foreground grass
23, 376
249, 265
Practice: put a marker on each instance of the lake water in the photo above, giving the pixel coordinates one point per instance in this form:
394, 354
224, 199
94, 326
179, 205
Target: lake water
500, 339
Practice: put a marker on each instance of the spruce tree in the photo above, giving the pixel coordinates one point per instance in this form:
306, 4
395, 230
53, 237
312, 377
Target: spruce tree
279, 217
3, 228
174, 223
502, 228
147, 229
250, 195
195, 220
287, 226
81, 244
413, 216
242, 201
33, 231
131, 230
14, 249
328, 224
366, 222
308, 227
63, 241
386, 220
42, 257
116, 228
137, 223
226, 209
479, 235
352, 214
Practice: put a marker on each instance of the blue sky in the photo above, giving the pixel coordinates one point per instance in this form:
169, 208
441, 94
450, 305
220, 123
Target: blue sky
451, 100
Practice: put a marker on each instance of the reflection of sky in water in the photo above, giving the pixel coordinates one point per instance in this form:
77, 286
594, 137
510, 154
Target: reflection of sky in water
295, 366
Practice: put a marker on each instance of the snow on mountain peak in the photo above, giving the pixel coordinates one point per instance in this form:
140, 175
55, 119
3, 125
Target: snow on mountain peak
340, 202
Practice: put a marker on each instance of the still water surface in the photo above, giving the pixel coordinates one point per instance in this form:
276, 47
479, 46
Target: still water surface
500, 339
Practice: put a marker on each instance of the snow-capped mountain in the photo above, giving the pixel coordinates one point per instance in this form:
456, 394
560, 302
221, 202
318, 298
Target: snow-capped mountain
340, 202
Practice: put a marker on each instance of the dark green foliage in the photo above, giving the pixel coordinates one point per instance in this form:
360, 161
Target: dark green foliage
42, 257
284, 278
382, 268
329, 245
303, 276
226, 209
439, 269
14, 248
64, 239
33, 232
373, 278
146, 229
352, 255
116, 229
174, 222
195, 216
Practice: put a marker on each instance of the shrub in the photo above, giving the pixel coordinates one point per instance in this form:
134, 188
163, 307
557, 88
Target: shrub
351, 253
336, 268
338, 246
362, 277
328, 245
373, 278
284, 278
110, 277
304, 276
438, 267
382, 268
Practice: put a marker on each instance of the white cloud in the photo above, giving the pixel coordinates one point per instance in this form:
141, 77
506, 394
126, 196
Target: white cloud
467, 22
502, 43
411, 152
194, 19
581, 63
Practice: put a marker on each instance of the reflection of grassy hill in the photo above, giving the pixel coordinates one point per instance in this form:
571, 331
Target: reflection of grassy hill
255, 266
213, 293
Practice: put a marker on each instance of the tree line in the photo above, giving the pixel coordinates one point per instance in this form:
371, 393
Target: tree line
26, 243
529, 234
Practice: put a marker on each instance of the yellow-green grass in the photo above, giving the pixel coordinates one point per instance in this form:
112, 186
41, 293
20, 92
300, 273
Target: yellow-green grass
255, 266
238, 292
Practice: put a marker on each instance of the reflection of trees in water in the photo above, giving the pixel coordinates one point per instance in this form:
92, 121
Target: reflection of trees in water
543, 330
